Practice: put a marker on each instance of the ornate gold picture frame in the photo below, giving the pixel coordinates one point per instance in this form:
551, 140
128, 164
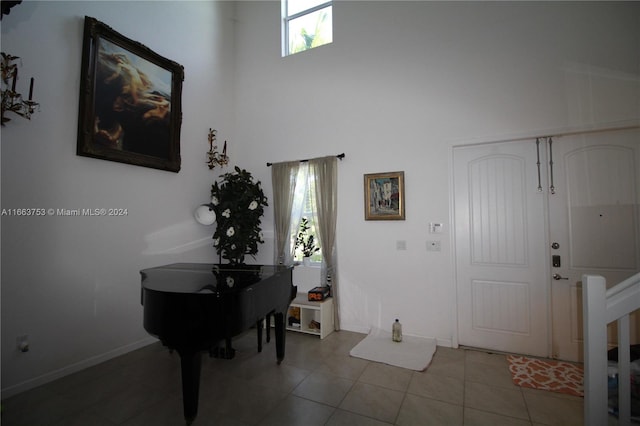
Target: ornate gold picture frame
384, 196
130, 101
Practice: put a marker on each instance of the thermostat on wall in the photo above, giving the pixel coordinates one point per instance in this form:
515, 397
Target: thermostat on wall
435, 228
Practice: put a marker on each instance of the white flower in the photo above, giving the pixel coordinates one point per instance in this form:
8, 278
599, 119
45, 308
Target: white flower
216, 241
253, 205
230, 281
233, 246
226, 213
214, 200
230, 231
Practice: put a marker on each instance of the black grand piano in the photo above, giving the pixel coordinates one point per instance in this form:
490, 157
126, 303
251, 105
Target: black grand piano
198, 307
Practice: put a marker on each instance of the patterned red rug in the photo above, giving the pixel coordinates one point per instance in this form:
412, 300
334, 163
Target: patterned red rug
555, 376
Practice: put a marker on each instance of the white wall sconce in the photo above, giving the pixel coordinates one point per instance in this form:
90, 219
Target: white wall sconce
205, 215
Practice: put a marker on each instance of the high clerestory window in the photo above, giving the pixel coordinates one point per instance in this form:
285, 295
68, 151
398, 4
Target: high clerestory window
306, 24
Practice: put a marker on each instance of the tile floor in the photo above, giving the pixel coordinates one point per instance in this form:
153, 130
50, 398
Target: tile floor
318, 383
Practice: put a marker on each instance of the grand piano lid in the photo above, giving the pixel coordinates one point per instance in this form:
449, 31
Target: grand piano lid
206, 277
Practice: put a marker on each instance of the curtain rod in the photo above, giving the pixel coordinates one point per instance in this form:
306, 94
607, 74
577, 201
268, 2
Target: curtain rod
339, 156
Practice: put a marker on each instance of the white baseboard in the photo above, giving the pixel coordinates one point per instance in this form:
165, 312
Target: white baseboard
355, 328
445, 342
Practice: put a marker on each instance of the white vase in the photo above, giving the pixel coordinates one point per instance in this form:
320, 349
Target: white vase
306, 261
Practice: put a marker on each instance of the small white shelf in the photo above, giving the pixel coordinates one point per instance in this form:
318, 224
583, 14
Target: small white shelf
321, 312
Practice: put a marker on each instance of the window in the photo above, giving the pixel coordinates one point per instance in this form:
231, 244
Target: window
306, 24
305, 196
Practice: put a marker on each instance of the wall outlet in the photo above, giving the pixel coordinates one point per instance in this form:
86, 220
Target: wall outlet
401, 245
433, 245
22, 343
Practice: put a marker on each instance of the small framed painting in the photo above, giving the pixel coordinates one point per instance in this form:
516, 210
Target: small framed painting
130, 101
384, 196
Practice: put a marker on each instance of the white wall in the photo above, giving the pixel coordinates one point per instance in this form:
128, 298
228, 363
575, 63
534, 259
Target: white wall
400, 85
72, 283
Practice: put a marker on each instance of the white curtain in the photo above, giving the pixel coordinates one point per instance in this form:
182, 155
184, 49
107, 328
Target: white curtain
324, 174
289, 180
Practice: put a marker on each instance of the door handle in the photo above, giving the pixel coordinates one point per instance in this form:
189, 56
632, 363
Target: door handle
559, 277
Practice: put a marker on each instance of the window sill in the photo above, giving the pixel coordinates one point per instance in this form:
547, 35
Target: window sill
312, 265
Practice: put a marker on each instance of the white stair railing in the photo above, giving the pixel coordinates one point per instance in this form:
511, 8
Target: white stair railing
601, 307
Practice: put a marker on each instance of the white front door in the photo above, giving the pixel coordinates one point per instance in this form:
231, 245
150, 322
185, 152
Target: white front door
594, 223
518, 224
500, 236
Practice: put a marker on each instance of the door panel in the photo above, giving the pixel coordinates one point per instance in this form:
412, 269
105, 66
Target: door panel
593, 216
499, 229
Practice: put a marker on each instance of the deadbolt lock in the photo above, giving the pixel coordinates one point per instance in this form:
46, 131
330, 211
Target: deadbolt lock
555, 246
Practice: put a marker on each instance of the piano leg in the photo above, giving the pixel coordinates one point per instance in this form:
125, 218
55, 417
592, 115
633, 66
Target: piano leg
190, 364
269, 326
226, 352
280, 331
260, 326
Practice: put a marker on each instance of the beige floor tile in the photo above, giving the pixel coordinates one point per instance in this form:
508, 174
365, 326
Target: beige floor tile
308, 357
241, 400
441, 388
495, 399
490, 374
373, 401
126, 403
346, 418
551, 410
295, 411
83, 419
561, 395
387, 376
38, 406
283, 378
451, 353
167, 412
446, 366
324, 388
473, 417
419, 411
344, 366
318, 383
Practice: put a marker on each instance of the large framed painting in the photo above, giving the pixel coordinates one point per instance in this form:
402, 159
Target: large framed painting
384, 196
130, 101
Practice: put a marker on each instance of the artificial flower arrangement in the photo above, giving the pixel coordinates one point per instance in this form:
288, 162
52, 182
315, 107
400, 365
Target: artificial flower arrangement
238, 202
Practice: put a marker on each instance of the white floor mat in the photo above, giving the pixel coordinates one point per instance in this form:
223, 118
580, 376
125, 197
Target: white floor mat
413, 353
